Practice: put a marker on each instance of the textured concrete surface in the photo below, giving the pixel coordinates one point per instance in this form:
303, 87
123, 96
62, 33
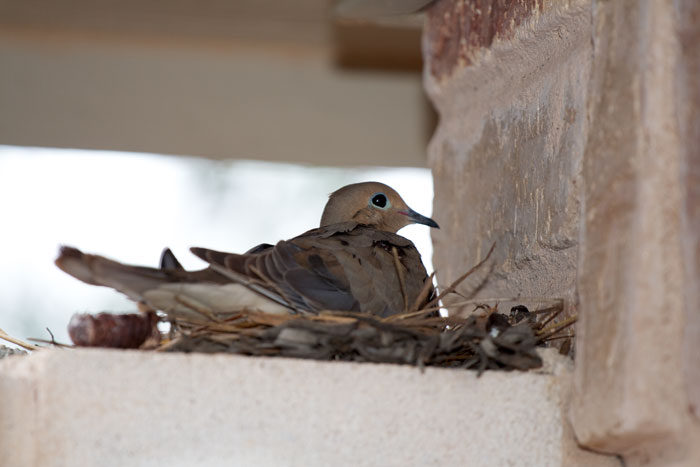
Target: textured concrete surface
637, 380
6, 351
687, 99
459, 30
101, 407
569, 136
507, 154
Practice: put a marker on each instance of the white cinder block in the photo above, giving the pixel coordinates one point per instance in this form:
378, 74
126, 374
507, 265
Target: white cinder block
128, 408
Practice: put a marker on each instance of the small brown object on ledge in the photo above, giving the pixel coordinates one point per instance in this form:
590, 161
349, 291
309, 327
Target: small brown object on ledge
121, 331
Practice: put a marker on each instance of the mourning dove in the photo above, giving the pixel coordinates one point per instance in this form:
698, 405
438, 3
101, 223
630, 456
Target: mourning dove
354, 261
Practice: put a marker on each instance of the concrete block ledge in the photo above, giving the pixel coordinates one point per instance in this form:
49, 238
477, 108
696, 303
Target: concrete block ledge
114, 408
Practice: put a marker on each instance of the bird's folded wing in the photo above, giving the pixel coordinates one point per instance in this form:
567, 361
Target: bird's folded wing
300, 276
339, 267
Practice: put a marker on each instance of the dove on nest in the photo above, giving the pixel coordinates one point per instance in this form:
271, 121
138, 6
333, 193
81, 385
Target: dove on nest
355, 261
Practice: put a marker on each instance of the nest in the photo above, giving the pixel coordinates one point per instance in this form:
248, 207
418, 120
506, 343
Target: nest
481, 338
485, 340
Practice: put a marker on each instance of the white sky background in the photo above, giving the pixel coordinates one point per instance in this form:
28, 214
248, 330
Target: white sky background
130, 206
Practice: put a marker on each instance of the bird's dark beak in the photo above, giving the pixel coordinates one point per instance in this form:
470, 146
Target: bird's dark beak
420, 219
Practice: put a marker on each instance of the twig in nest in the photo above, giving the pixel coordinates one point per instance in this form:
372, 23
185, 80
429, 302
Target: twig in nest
51, 342
559, 306
423, 295
549, 318
167, 345
563, 336
14, 340
459, 280
549, 331
490, 310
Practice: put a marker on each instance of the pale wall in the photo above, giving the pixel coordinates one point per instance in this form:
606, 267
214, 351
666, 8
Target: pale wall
116, 408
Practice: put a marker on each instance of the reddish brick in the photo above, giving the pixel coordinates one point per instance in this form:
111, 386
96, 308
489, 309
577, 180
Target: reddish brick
457, 28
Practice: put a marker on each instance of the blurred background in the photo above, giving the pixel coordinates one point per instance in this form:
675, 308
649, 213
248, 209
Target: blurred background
128, 126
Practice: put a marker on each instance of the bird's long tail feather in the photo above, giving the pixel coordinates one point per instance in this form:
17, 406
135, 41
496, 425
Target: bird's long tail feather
98, 270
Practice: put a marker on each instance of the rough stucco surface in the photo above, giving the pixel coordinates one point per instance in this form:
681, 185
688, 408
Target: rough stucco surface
634, 386
101, 407
460, 28
507, 156
571, 142
688, 99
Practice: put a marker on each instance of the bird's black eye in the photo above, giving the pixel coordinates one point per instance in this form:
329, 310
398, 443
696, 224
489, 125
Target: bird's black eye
379, 200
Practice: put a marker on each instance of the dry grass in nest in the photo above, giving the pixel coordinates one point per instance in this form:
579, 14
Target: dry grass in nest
485, 340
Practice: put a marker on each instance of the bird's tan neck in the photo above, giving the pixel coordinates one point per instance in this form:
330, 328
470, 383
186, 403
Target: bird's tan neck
371, 218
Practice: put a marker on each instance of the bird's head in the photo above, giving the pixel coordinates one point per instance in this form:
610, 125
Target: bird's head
373, 204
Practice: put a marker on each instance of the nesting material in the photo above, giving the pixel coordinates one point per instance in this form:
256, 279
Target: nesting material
485, 340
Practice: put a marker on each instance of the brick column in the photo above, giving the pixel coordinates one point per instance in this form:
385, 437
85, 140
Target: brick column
637, 371
570, 135
510, 85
